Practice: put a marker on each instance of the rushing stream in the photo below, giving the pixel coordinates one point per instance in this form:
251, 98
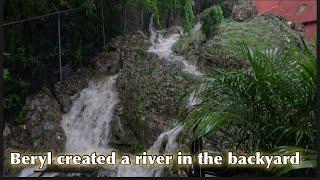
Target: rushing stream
171, 146
162, 47
87, 124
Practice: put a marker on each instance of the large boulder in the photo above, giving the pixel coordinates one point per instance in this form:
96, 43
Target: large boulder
43, 123
243, 10
174, 30
67, 91
107, 62
40, 132
111, 60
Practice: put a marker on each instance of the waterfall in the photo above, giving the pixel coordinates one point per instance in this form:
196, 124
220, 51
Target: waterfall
87, 124
170, 148
163, 49
152, 30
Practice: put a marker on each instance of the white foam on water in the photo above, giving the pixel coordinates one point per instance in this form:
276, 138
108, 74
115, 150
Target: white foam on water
170, 149
162, 47
87, 124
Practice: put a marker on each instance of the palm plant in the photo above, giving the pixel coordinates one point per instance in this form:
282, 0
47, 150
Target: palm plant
307, 164
273, 102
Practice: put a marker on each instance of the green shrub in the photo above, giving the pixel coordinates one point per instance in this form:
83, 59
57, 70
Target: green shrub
22, 115
210, 20
14, 92
273, 102
188, 16
227, 7
306, 166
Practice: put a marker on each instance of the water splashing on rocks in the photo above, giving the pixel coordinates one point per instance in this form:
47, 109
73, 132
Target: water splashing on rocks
87, 124
168, 139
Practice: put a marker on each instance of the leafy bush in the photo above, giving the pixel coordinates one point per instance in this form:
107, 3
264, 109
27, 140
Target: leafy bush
17, 76
227, 7
308, 162
273, 102
188, 16
14, 92
22, 115
210, 20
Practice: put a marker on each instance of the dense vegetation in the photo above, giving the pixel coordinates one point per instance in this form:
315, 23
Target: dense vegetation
279, 87
272, 103
31, 48
211, 19
31, 51
269, 102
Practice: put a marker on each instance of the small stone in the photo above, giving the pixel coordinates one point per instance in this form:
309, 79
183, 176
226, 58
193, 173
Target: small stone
6, 131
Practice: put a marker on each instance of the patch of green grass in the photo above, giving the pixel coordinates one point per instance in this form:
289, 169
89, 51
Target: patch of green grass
46, 89
52, 115
22, 115
260, 32
140, 49
19, 136
90, 71
183, 43
39, 137
138, 148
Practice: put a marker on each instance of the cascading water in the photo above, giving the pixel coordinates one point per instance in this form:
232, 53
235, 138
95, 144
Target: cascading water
152, 31
87, 124
163, 49
171, 146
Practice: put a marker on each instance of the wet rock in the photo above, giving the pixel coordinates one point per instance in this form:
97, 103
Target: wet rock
173, 30
221, 142
107, 62
6, 131
67, 91
41, 132
148, 90
122, 136
126, 41
111, 60
43, 123
298, 27
106, 173
164, 144
8, 170
243, 10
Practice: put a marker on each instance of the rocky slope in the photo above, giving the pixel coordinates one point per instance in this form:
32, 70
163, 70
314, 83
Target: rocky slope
262, 32
151, 93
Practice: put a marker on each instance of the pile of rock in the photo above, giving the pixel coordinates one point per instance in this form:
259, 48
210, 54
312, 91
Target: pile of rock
243, 10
